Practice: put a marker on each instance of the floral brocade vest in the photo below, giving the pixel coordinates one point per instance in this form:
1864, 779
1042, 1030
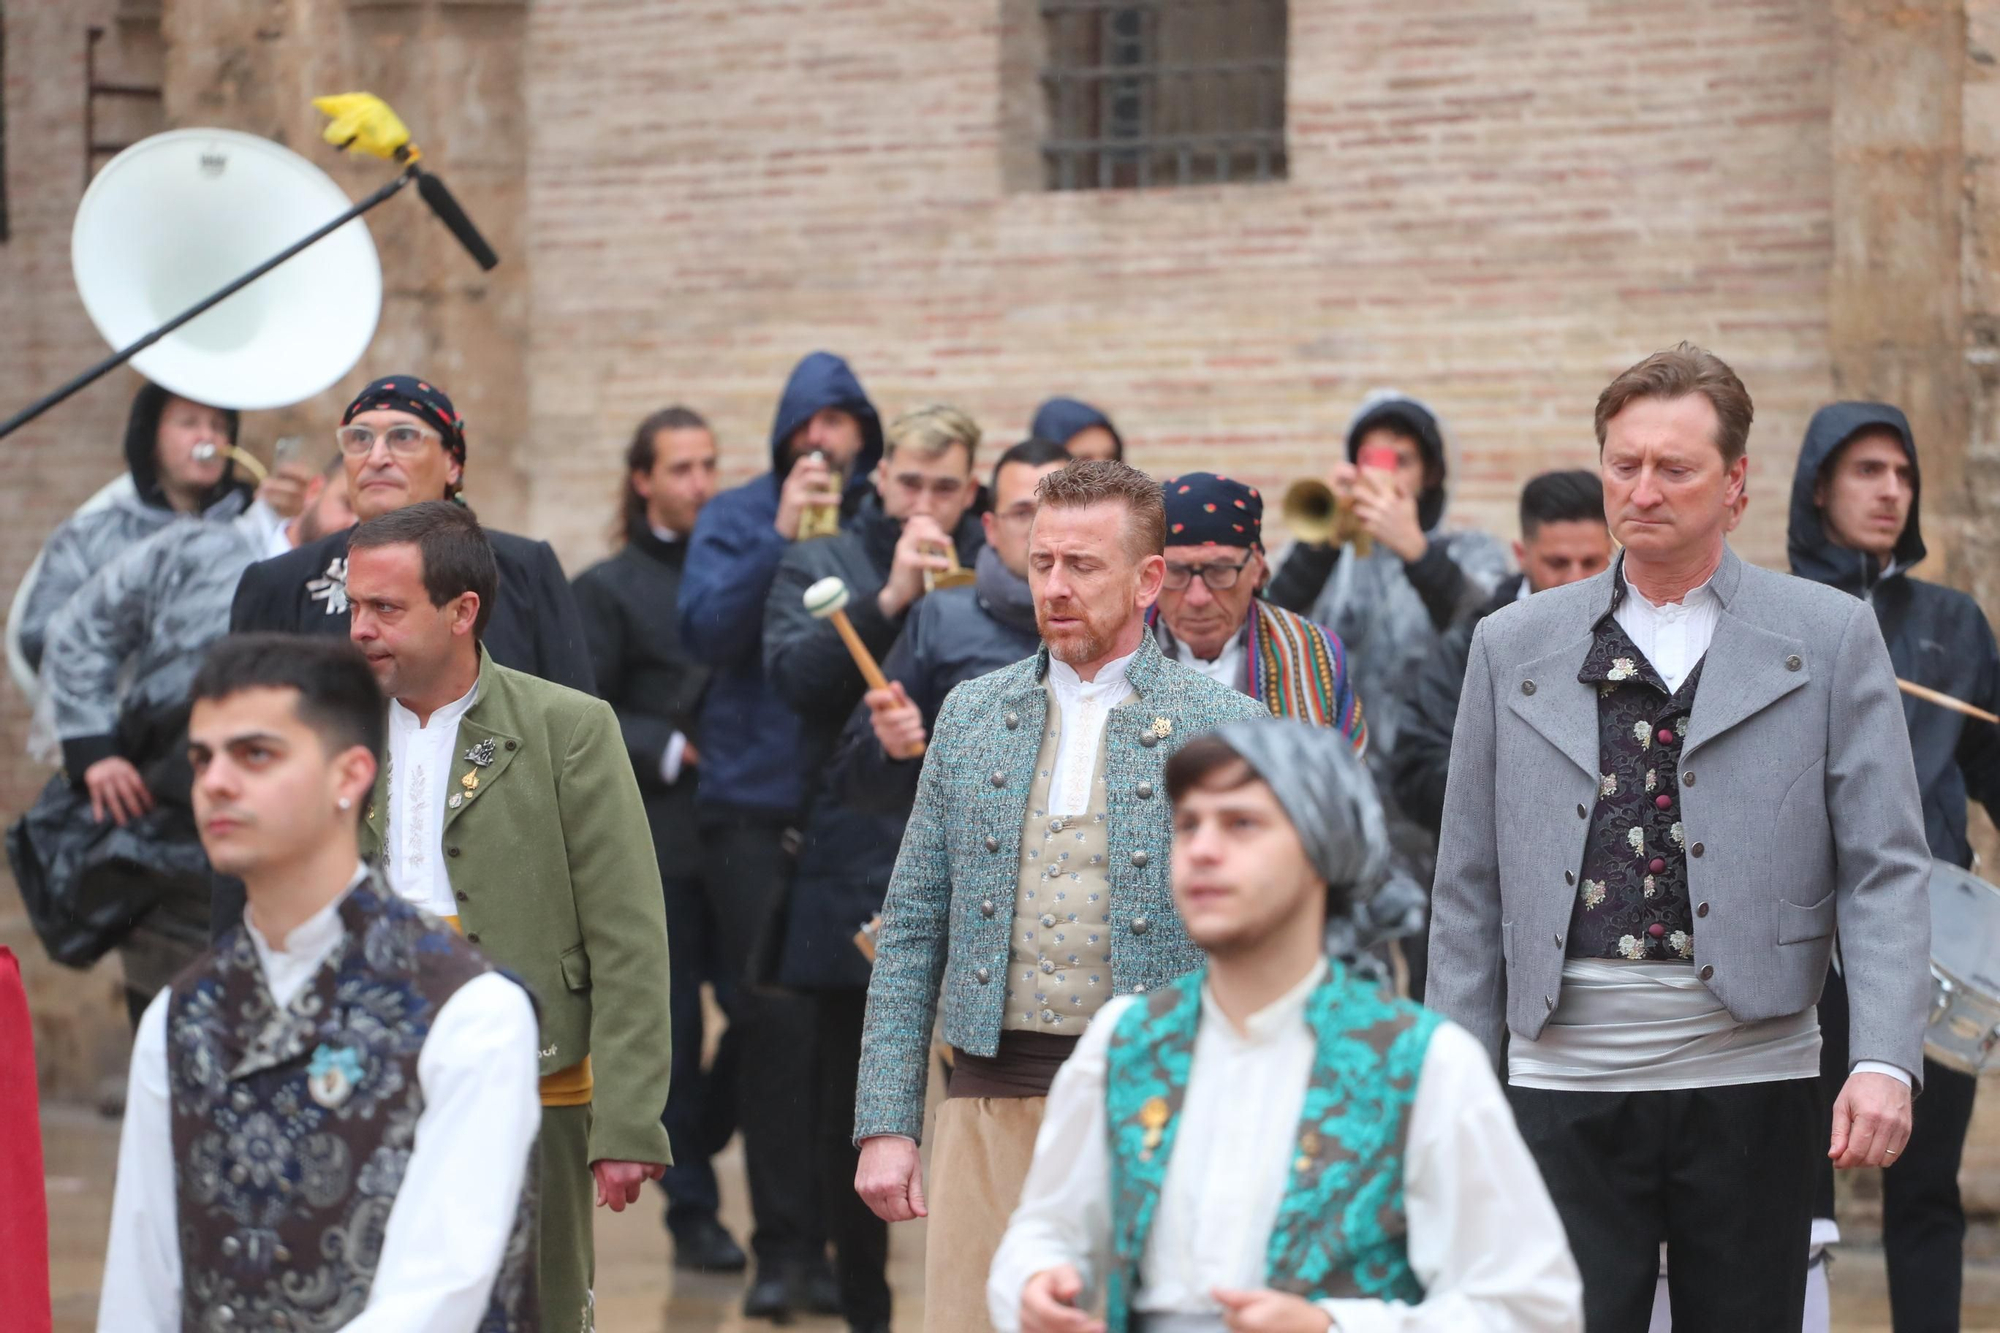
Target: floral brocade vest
292, 1127
1340, 1229
1632, 900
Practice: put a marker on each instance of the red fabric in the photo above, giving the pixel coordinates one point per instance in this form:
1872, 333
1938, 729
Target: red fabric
24, 1209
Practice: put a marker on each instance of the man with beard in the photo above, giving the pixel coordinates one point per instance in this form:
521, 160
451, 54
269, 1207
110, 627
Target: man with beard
1854, 526
629, 606
1269, 1144
1031, 886
751, 798
122, 652
900, 535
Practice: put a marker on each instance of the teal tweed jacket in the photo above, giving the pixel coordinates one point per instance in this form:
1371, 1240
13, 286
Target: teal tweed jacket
950, 905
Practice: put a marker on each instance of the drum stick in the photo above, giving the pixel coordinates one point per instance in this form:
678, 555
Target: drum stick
1942, 700
827, 600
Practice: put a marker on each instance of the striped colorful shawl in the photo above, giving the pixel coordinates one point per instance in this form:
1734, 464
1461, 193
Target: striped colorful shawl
1299, 670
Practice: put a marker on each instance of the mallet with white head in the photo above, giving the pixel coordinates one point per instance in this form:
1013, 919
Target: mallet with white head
827, 600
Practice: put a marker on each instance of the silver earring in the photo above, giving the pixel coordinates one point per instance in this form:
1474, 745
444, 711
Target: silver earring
346, 804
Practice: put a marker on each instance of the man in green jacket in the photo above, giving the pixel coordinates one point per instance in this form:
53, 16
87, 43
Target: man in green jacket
508, 807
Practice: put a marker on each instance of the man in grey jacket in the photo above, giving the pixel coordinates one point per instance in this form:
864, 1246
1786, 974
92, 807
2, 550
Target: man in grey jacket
1670, 785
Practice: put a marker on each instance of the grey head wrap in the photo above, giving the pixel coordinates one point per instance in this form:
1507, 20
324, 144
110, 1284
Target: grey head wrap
1330, 798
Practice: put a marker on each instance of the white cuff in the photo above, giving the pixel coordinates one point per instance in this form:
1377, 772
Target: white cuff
1878, 1067
670, 761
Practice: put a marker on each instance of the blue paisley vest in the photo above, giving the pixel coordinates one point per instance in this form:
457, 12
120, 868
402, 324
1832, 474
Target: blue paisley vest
1340, 1229
292, 1128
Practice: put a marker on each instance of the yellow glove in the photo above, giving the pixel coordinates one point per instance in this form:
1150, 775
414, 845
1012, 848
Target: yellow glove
364, 123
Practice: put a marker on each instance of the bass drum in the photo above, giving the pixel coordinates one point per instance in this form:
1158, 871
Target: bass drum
1965, 970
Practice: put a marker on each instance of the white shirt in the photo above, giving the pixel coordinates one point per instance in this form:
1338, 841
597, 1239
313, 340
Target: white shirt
1484, 1239
1227, 667
1674, 637
420, 764
676, 752
448, 1228
1083, 706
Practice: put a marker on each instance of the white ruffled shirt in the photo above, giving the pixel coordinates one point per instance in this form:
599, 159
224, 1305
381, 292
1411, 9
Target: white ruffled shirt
1484, 1238
420, 763
446, 1232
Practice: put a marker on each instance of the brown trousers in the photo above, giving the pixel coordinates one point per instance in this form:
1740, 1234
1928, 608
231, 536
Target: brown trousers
980, 1151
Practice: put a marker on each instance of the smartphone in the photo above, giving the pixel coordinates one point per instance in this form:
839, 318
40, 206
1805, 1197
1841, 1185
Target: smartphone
289, 449
1381, 457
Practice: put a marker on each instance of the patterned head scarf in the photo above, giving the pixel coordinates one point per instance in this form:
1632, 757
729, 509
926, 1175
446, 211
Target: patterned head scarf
1326, 792
1206, 509
407, 393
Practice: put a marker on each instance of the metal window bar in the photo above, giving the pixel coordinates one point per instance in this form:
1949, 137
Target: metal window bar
1136, 100
92, 90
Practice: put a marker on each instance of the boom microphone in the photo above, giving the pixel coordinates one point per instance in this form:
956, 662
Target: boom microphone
453, 217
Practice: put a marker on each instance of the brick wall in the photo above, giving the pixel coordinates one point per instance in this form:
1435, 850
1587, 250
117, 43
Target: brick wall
1493, 204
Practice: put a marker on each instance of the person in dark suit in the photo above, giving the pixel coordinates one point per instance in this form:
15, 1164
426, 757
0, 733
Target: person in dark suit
403, 443
629, 604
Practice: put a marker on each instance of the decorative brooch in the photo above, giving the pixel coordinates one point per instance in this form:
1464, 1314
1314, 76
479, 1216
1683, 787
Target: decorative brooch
1162, 728
331, 587
333, 1075
1153, 1118
482, 753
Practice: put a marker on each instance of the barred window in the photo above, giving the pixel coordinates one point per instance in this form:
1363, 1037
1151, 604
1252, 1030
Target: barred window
1163, 92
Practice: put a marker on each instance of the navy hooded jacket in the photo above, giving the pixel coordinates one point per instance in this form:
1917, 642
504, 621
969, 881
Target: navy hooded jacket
1937, 636
1061, 420
748, 739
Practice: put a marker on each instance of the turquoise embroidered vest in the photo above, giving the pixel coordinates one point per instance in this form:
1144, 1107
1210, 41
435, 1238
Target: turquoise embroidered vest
1340, 1229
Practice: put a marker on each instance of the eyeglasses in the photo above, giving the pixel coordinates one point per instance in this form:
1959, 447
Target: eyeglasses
1217, 575
359, 441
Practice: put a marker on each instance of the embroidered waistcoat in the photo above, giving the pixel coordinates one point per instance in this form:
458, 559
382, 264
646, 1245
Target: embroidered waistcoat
292, 1127
1632, 898
1059, 955
1340, 1229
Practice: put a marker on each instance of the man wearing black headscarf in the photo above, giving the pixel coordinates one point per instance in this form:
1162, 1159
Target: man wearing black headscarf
404, 443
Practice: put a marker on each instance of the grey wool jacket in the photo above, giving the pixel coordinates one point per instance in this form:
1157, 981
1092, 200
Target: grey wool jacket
950, 906
1799, 801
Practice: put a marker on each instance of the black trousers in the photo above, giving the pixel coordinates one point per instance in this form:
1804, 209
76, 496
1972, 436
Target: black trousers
860, 1239
1723, 1175
1923, 1222
746, 866
690, 1182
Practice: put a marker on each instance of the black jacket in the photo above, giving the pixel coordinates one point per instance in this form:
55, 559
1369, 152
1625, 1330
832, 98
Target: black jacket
1937, 636
534, 628
1422, 761
949, 638
629, 604
846, 857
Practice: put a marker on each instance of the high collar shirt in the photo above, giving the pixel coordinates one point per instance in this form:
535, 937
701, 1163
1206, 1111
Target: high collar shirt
447, 1230
1484, 1238
1083, 707
1225, 669
1672, 635
420, 760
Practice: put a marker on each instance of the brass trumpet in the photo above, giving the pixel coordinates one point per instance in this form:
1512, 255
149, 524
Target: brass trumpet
1318, 517
958, 576
823, 520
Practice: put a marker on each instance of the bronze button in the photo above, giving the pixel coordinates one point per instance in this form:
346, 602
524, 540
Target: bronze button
1707, 971
1697, 849
1527, 687
1701, 909
1687, 779
451, 851
992, 843
513, 745
1794, 662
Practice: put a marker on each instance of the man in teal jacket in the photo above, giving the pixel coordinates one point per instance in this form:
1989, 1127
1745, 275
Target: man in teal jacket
1032, 884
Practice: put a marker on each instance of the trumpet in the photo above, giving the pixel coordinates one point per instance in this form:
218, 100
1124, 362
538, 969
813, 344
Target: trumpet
1318, 517
823, 520
958, 576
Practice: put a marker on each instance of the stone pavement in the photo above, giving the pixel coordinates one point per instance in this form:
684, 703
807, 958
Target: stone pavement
638, 1291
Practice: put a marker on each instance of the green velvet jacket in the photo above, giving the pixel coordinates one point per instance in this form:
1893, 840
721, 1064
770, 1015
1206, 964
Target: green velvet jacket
552, 865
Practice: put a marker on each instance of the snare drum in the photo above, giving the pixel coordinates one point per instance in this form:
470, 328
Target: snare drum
1965, 970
